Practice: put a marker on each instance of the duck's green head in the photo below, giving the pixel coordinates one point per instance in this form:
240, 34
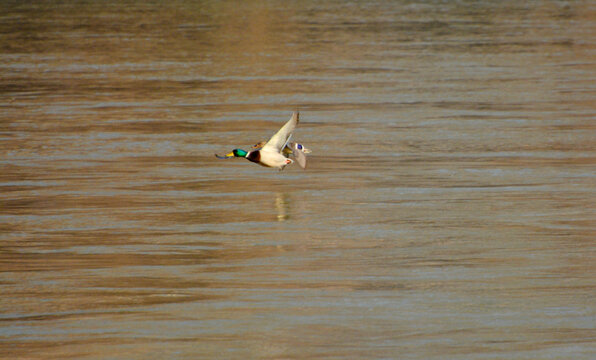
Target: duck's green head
238, 153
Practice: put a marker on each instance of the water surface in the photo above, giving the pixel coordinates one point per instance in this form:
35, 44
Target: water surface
447, 210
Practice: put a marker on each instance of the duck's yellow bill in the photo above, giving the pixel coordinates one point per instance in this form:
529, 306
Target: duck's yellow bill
227, 156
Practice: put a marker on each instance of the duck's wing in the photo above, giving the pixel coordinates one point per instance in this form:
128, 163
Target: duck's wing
302, 148
298, 155
259, 145
281, 138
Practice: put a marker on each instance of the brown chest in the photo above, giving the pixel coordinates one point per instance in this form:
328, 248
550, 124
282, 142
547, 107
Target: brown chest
254, 156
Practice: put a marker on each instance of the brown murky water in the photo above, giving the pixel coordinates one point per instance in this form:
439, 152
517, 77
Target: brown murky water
448, 210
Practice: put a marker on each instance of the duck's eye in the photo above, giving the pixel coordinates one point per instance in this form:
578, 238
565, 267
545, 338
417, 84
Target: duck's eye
299, 146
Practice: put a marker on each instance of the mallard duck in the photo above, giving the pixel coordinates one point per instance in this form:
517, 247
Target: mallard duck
274, 153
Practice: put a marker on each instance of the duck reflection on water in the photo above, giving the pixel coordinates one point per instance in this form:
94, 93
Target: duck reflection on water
282, 204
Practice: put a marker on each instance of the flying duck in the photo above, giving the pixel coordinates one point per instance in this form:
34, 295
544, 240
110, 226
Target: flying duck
274, 153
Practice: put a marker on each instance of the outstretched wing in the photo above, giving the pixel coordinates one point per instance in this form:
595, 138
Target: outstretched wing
281, 138
298, 155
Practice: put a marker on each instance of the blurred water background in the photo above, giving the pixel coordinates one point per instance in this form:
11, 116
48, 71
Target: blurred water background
447, 212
